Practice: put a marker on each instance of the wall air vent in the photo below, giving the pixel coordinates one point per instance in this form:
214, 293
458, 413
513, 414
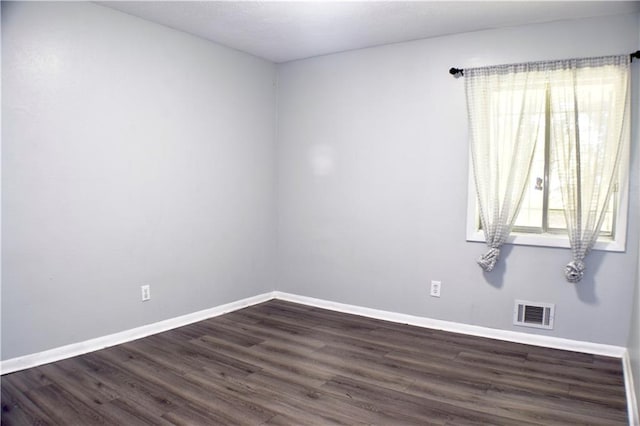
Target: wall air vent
533, 314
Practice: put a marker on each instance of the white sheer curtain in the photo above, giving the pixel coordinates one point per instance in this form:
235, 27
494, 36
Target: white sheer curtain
506, 113
589, 110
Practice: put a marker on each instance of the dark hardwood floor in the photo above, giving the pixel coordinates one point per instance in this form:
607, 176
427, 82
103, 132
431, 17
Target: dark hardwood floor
280, 363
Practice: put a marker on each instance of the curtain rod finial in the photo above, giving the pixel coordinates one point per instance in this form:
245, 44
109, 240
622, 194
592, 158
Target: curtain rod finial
454, 71
635, 55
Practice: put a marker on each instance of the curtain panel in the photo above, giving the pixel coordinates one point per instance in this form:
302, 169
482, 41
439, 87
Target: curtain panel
589, 106
505, 105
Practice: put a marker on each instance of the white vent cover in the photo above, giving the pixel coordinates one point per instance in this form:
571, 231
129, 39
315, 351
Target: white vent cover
533, 314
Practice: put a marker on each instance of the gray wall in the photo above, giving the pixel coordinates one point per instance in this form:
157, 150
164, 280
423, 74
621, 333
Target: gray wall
132, 154
372, 186
634, 339
634, 333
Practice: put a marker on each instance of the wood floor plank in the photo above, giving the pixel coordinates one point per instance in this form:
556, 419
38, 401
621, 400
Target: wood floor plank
18, 408
60, 405
123, 412
268, 334
203, 391
281, 363
130, 387
32, 378
264, 359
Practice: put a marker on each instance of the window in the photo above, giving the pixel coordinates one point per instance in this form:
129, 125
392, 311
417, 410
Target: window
541, 219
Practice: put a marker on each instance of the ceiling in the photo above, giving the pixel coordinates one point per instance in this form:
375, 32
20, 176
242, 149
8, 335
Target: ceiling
282, 31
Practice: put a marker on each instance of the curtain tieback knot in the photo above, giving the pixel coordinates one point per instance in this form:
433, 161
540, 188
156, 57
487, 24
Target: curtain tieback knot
488, 260
574, 271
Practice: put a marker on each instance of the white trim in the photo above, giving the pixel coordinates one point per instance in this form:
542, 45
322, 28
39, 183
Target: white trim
473, 330
75, 349
619, 244
80, 348
550, 240
630, 390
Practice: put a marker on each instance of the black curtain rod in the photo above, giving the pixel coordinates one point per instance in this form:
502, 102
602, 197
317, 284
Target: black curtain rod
455, 71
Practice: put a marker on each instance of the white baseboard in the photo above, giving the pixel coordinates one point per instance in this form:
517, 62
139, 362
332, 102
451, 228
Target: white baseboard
80, 348
75, 349
630, 390
473, 330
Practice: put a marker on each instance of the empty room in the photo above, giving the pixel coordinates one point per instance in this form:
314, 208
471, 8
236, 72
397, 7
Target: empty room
320, 212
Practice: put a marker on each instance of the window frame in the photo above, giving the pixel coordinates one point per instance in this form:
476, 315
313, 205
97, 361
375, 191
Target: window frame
615, 243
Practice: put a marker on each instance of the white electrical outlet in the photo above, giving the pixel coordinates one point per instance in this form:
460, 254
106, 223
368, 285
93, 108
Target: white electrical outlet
435, 288
146, 292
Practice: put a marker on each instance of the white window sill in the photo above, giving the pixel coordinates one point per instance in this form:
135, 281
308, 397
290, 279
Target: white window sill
549, 240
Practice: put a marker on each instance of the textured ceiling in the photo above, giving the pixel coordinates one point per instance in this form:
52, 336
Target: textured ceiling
285, 31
